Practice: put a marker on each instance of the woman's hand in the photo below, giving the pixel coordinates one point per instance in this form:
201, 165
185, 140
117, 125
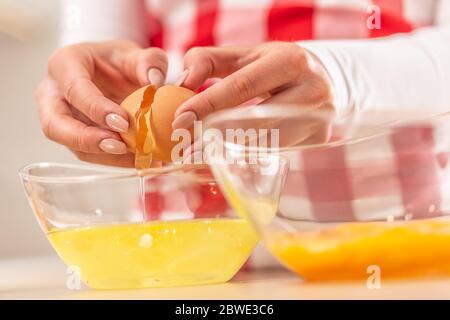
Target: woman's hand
284, 72
79, 98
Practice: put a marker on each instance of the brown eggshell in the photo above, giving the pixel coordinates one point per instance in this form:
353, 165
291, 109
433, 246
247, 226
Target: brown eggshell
131, 104
166, 101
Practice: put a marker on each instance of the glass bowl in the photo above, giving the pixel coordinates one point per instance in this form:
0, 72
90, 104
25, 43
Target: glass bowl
167, 227
338, 198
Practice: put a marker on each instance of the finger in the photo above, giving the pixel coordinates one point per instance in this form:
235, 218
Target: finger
253, 80
72, 70
125, 160
156, 77
313, 93
312, 126
65, 130
321, 135
202, 63
146, 66
59, 125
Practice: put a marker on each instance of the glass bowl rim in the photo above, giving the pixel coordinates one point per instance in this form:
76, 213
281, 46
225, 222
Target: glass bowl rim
100, 173
265, 111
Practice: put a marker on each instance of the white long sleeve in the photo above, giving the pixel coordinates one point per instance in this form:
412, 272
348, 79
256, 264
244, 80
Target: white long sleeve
397, 73
87, 20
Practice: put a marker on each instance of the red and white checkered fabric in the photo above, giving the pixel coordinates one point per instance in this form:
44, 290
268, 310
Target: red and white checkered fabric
177, 25
400, 174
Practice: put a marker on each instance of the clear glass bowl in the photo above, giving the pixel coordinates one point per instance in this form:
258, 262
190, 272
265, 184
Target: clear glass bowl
339, 197
180, 232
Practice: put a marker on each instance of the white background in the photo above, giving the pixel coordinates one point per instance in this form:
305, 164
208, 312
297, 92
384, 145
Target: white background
26, 41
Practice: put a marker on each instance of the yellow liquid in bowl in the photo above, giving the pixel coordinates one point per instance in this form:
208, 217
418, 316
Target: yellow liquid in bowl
351, 251
156, 254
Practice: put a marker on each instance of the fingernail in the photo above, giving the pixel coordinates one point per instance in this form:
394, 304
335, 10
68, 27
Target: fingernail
116, 122
181, 78
113, 146
184, 120
155, 77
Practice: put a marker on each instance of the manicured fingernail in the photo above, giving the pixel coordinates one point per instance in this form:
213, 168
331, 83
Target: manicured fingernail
181, 78
113, 146
155, 77
116, 122
184, 120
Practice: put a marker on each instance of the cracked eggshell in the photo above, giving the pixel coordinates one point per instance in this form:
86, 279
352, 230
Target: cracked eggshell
131, 104
164, 102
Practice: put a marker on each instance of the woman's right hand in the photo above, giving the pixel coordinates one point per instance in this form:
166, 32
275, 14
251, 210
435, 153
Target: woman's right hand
79, 99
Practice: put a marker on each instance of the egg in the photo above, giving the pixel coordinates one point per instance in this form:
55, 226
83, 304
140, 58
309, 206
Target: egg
162, 103
132, 104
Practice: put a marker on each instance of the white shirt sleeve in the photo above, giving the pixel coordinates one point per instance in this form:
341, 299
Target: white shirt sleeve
396, 73
99, 20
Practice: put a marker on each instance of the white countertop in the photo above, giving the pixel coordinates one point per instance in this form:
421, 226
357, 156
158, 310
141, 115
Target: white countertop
45, 278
